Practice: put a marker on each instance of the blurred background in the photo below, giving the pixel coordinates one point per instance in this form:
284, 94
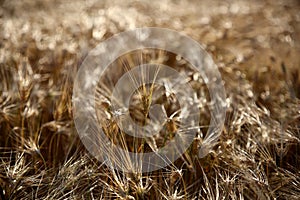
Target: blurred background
245, 32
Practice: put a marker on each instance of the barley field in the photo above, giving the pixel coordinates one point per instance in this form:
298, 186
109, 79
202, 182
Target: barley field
256, 46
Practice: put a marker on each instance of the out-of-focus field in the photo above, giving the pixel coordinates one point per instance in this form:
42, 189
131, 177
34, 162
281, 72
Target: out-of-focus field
256, 45
256, 36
